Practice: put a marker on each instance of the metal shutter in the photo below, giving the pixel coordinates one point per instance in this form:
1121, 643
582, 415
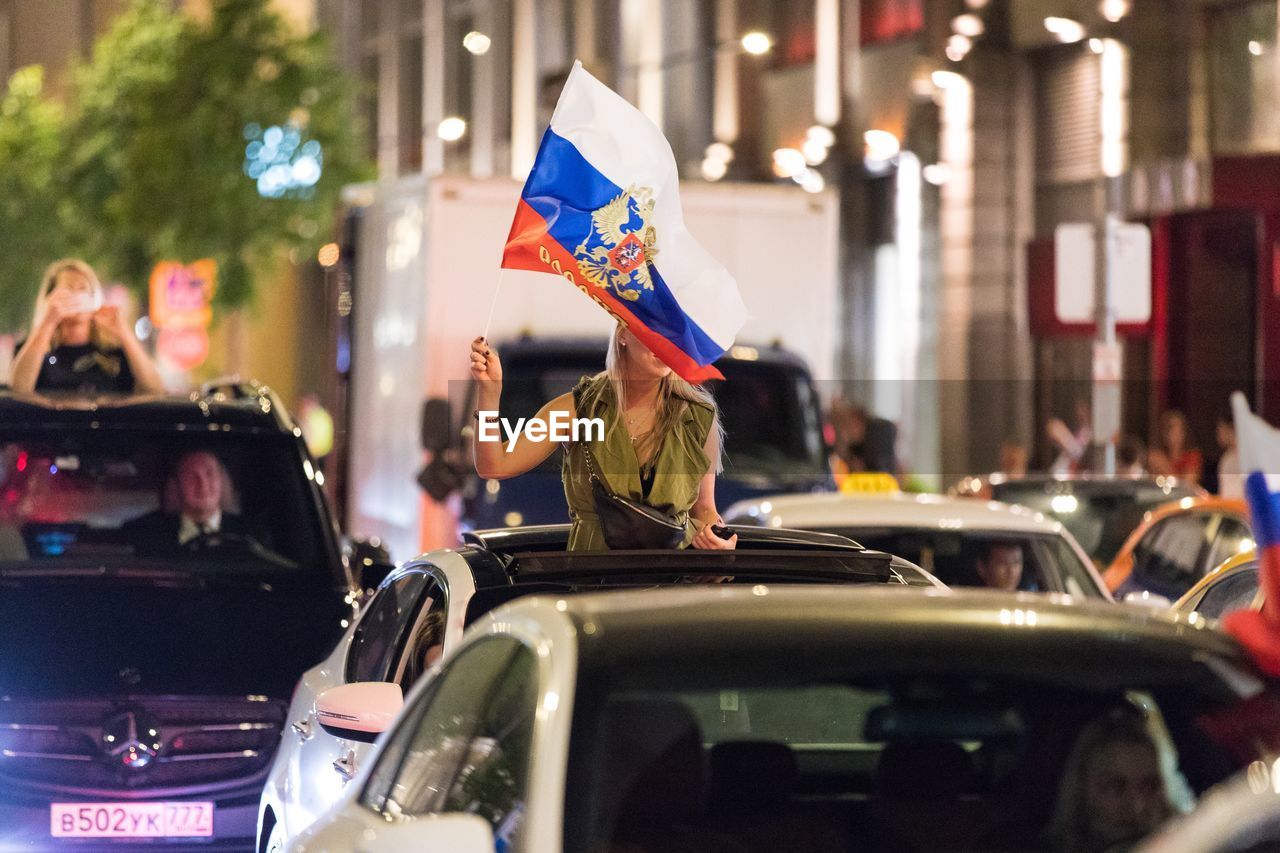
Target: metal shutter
1067, 116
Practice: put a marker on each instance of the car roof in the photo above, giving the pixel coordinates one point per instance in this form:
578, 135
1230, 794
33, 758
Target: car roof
932, 512
1087, 483
244, 407
1092, 645
1199, 503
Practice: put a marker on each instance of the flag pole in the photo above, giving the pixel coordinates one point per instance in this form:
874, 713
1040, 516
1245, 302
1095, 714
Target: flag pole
502, 271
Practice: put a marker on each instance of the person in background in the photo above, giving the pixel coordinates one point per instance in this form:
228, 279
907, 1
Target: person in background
1230, 479
1072, 444
1000, 566
1171, 457
864, 442
1114, 789
1131, 457
79, 344
196, 502
1013, 459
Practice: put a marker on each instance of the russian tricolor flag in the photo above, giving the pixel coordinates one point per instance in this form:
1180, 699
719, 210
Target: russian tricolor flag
601, 208
1259, 448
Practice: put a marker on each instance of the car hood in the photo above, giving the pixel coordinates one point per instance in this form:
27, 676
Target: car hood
86, 637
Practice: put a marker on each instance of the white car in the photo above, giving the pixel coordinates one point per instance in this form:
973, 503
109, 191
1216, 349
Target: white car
1240, 815
943, 535
799, 717
428, 601
313, 765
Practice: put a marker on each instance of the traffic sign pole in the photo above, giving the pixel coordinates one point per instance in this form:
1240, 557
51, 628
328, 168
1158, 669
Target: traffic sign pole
1106, 350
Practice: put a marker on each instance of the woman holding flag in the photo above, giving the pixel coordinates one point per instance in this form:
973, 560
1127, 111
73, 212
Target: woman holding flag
661, 444
601, 212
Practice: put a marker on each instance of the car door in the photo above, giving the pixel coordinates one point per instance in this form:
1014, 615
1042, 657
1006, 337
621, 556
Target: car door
465, 744
1066, 568
326, 762
1232, 536
1236, 591
1170, 558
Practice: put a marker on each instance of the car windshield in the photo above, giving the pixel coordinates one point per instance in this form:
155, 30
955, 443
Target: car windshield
1099, 518
786, 444
960, 558
736, 750
198, 502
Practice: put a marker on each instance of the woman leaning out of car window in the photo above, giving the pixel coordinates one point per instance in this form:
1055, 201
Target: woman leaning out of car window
79, 344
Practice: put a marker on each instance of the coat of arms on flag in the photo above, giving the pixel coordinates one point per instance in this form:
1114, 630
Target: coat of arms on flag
622, 245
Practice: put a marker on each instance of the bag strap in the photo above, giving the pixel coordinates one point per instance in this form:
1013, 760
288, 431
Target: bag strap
591, 468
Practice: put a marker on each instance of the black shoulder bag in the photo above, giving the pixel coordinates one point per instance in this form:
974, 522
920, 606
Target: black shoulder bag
629, 524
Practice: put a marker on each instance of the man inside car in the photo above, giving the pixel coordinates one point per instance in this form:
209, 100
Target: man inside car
195, 504
999, 566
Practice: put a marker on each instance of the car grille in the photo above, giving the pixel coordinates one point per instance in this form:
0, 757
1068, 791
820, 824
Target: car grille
143, 745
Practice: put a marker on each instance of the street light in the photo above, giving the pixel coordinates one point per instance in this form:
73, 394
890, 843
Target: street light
958, 47
451, 129
1066, 30
476, 43
1114, 10
969, 25
756, 43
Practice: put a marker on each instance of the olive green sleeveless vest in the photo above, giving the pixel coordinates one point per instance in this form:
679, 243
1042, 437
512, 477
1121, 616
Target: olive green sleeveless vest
679, 465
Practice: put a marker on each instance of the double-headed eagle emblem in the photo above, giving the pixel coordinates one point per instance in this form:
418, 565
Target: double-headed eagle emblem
622, 243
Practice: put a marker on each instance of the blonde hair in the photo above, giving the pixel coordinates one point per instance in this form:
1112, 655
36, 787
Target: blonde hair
1121, 725
49, 281
674, 394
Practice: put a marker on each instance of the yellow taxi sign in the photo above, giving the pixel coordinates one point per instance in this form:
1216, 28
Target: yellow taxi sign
872, 482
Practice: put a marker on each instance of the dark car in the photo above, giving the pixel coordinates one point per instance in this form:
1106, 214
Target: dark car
145, 673
770, 410
1100, 512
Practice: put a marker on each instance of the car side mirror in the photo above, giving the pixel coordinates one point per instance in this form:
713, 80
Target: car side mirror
1147, 599
454, 831
359, 711
372, 561
437, 425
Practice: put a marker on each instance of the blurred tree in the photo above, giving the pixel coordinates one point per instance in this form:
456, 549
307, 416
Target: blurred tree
35, 222
228, 138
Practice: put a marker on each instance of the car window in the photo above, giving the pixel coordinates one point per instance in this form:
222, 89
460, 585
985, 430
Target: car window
1073, 574
424, 643
383, 628
465, 746
786, 443
1233, 593
1233, 537
952, 557
684, 754
200, 502
1168, 558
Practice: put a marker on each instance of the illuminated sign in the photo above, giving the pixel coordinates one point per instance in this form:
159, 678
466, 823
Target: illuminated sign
182, 308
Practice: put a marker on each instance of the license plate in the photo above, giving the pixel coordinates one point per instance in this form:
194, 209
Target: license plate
131, 820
